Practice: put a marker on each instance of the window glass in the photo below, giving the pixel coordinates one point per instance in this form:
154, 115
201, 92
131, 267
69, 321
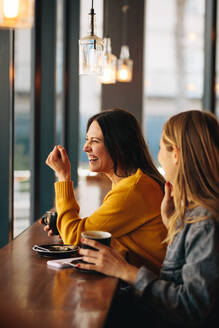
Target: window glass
90, 103
22, 104
22, 116
90, 87
174, 58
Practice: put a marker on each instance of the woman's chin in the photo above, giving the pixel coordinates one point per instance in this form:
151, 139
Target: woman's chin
93, 168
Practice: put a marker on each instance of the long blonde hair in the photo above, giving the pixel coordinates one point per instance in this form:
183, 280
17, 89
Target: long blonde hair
196, 136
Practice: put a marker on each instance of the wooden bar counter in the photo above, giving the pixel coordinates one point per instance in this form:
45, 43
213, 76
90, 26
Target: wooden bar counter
35, 295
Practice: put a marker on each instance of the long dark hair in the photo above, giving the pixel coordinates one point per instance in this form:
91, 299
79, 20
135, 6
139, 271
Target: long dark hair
125, 143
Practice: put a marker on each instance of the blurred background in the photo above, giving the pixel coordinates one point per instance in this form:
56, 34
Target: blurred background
172, 70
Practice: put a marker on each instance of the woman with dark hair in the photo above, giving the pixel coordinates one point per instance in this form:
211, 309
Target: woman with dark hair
125, 143
131, 210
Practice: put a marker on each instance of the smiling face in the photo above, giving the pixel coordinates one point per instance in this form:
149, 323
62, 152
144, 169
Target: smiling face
99, 158
168, 159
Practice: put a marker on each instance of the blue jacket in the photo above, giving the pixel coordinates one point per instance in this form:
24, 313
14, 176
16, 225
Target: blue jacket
188, 286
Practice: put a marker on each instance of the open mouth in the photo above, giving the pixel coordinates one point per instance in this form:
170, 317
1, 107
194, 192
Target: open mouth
92, 159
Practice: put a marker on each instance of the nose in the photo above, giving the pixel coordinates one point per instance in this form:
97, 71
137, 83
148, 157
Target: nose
86, 147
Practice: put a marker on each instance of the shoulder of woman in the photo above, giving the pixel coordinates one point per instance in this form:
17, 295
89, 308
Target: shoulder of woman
198, 220
205, 223
201, 216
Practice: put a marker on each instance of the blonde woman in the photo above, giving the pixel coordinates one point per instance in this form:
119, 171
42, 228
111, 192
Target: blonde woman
187, 289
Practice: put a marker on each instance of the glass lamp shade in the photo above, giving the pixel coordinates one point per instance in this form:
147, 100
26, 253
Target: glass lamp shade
16, 13
109, 64
109, 69
124, 70
91, 55
124, 66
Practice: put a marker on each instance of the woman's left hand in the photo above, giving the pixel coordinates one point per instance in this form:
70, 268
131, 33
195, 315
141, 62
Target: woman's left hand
167, 204
108, 261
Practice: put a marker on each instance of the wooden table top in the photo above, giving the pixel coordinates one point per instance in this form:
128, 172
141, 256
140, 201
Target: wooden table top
34, 295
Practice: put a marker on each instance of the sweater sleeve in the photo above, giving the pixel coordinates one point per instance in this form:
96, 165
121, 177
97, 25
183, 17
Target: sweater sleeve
189, 301
117, 214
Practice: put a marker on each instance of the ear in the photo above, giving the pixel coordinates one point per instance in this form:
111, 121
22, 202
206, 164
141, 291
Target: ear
175, 155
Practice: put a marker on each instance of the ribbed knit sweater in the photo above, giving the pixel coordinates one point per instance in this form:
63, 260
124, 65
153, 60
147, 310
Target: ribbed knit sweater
130, 211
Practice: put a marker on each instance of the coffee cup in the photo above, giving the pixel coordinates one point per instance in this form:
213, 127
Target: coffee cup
50, 218
102, 237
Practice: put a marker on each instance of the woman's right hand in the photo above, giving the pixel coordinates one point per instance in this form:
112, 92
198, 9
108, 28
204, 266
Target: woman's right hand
107, 260
167, 205
47, 229
59, 162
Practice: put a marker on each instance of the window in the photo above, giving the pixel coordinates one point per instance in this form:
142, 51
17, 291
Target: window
90, 104
90, 86
22, 105
174, 57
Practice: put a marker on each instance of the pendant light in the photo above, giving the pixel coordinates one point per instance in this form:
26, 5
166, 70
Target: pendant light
91, 49
109, 64
16, 13
124, 63
109, 60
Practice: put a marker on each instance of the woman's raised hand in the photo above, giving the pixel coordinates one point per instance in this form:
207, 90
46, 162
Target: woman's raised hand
108, 261
59, 162
167, 205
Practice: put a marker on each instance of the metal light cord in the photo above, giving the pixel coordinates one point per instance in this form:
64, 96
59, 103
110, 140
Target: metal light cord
106, 16
125, 9
92, 13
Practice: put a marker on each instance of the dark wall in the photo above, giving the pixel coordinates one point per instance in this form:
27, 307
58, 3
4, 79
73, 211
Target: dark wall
126, 95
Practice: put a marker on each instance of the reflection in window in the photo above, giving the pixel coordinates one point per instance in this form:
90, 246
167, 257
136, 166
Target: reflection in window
174, 58
22, 131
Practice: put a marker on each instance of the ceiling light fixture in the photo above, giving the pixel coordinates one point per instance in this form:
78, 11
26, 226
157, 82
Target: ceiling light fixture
91, 50
124, 63
109, 60
109, 64
16, 13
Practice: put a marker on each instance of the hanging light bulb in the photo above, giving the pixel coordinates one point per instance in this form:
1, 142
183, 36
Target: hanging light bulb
16, 13
124, 63
109, 64
91, 50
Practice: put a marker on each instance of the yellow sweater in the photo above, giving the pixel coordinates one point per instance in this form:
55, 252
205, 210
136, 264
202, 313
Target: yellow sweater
130, 211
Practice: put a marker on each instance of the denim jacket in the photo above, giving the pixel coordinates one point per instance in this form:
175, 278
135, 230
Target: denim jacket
188, 286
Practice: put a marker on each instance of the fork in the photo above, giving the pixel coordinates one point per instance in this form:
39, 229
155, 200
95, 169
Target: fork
41, 248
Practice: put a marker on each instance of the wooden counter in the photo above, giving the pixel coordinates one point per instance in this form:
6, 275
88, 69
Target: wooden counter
34, 295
